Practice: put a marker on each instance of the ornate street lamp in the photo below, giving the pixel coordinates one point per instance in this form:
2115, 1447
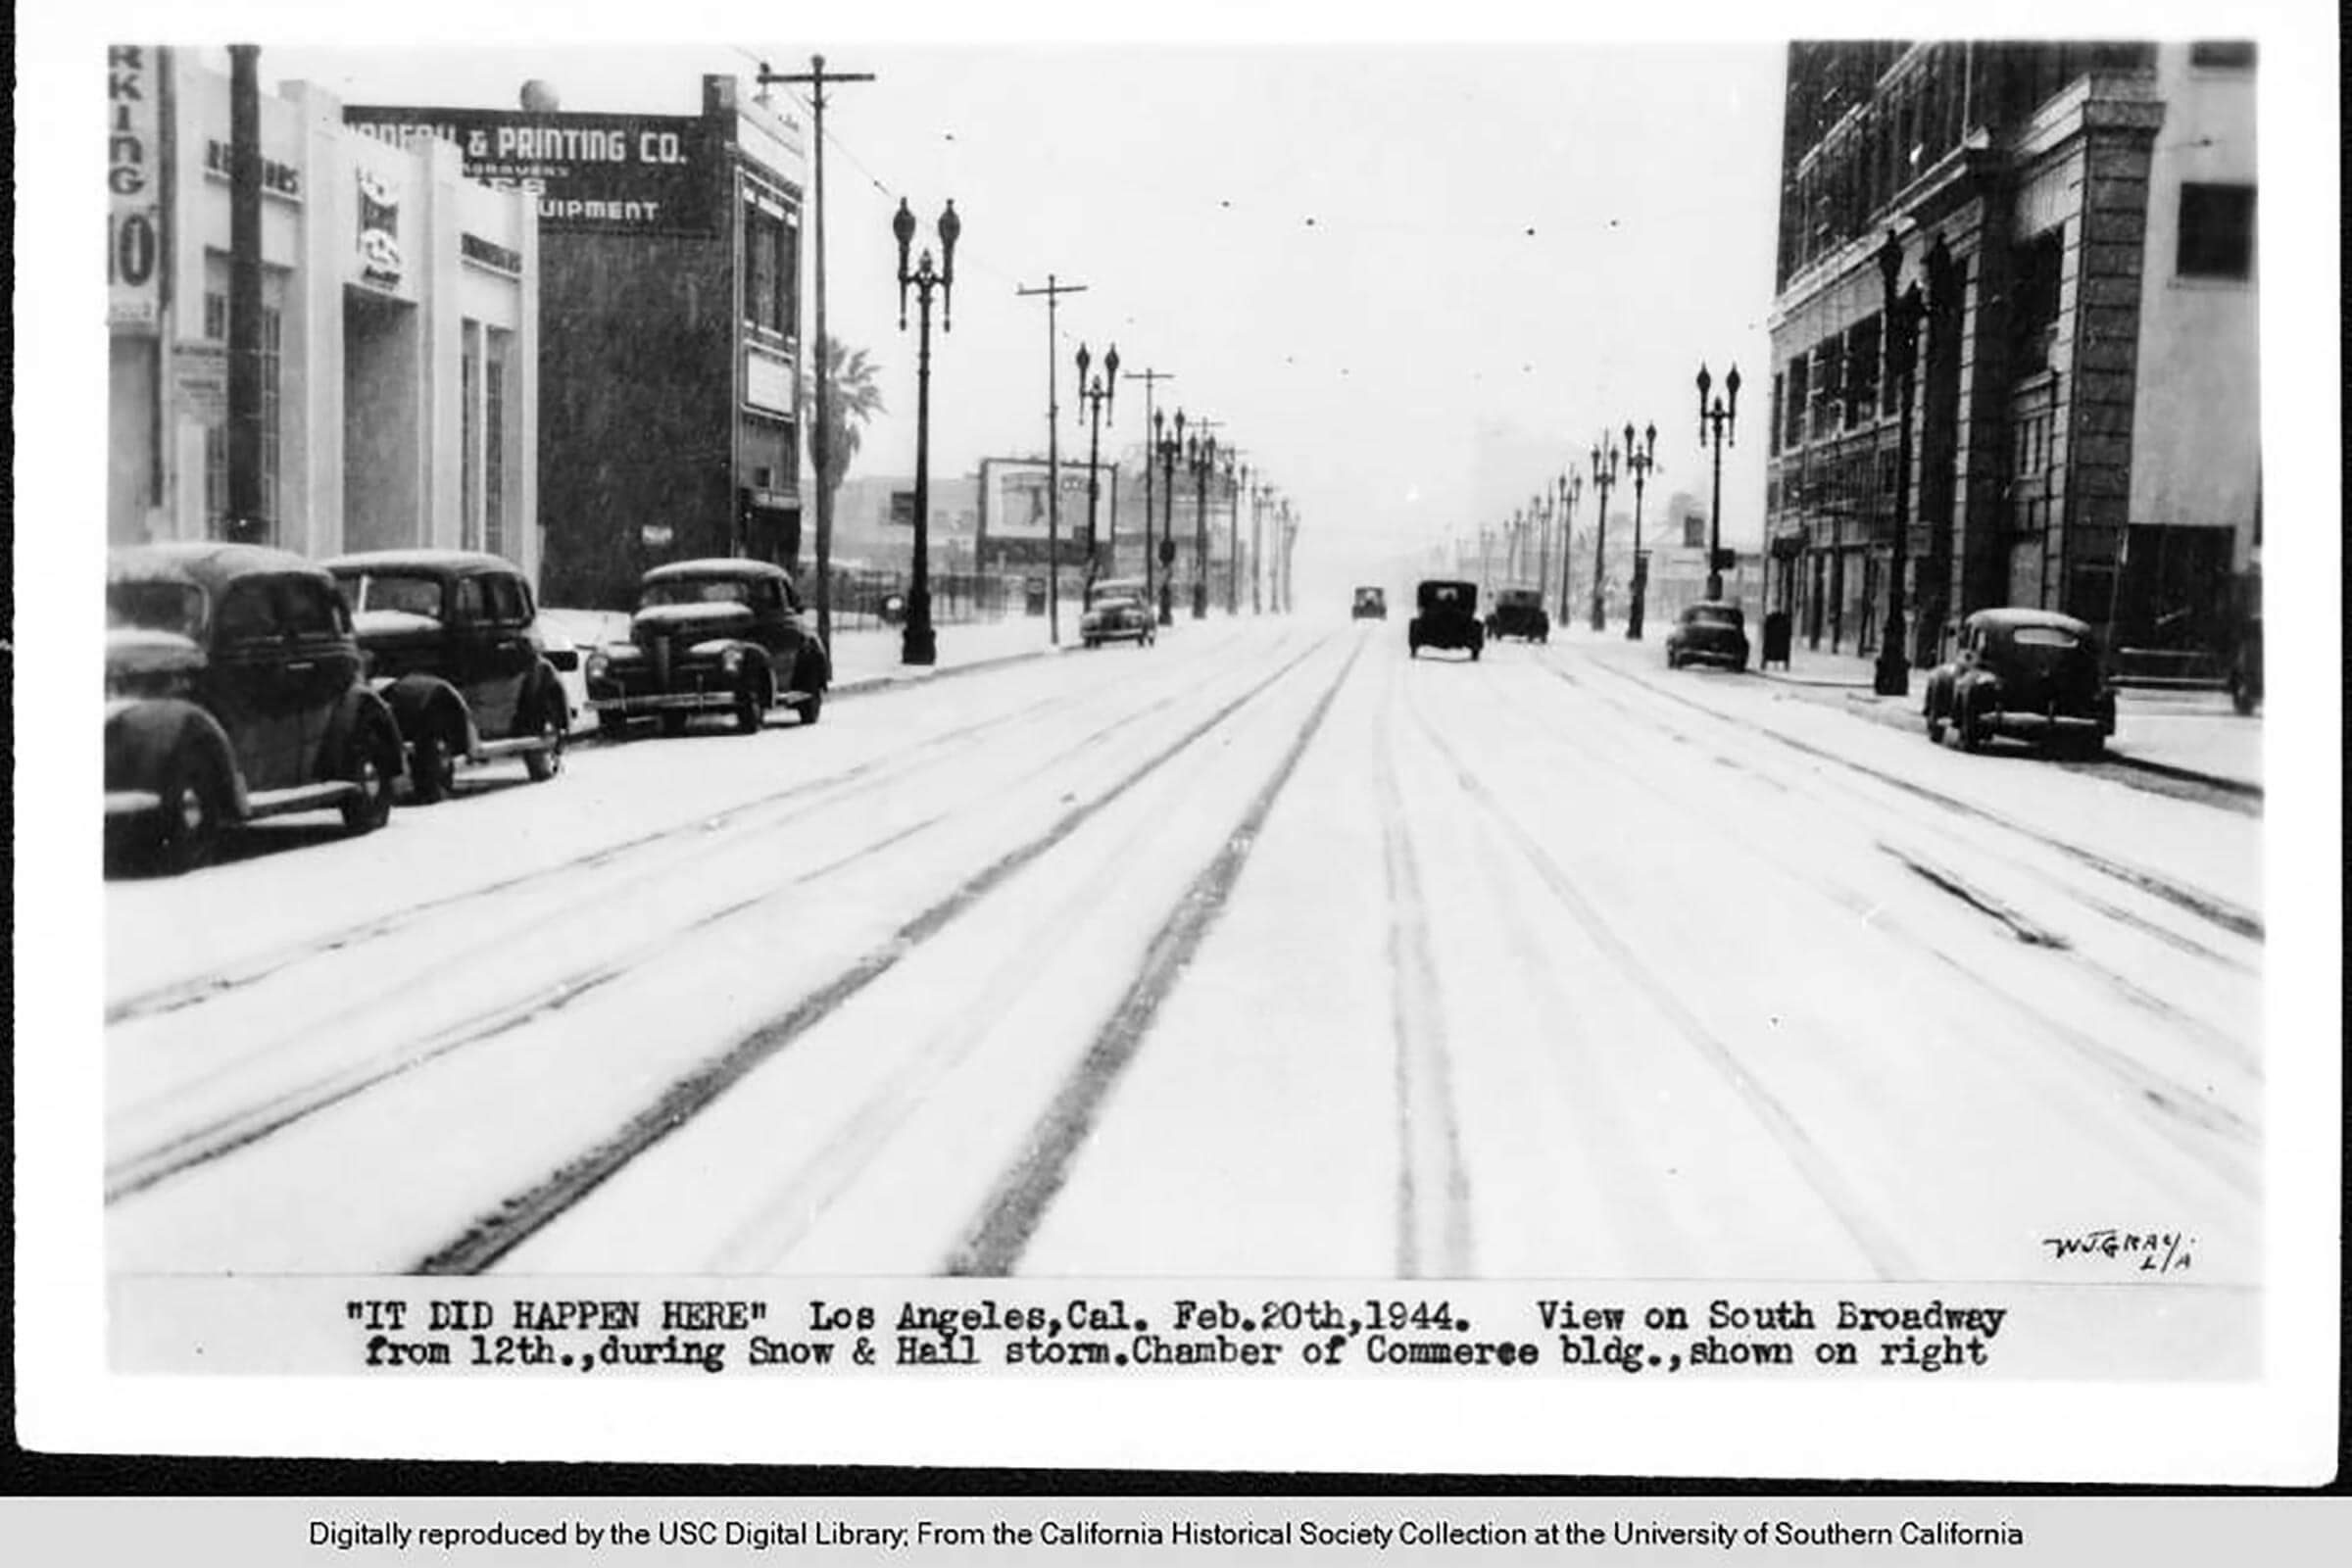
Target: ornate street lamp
1639, 458
1720, 417
1571, 490
1892, 674
919, 644
1097, 396
1237, 480
1604, 479
1201, 453
1171, 447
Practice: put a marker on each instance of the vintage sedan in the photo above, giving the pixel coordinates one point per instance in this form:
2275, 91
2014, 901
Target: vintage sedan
234, 691
1117, 611
1447, 618
1371, 604
712, 636
453, 645
2028, 672
1708, 632
1519, 613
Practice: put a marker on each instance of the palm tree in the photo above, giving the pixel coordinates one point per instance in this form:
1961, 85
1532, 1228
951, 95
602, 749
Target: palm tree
851, 398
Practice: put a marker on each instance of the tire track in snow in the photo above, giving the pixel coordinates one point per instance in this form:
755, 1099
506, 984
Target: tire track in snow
1433, 1181
522, 1214
742, 817
251, 1123
1875, 1240
1017, 1204
2210, 907
2188, 1121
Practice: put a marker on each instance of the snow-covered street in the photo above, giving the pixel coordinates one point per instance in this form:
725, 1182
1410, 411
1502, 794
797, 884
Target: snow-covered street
1267, 951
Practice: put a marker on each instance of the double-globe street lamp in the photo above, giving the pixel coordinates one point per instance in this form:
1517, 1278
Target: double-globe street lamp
1892, 675
1201, 453
1237, 480
1170, 446
1571, 485
1641, 456
1604, 479
1097, 396
1719, 419
919, 644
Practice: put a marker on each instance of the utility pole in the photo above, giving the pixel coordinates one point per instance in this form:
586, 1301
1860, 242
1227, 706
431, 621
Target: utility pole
1150, 378
820, 441
250, 512
1052, 292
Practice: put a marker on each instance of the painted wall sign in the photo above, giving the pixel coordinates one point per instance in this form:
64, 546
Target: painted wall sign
277, 178
767, 381
134, 217
490, 253
379, 229
592, 174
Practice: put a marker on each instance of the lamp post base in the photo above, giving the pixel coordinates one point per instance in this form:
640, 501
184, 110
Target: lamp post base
1715, 586
1891, 677
1200, 601
918, 644
1167, 605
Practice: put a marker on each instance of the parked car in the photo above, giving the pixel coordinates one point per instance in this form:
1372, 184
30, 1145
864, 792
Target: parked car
234, 691
454, 646
1447, 618
2030, 673
2246, 669
1519, 613
715, 636
1371, 604
566, 640
1115, 611
1708, 632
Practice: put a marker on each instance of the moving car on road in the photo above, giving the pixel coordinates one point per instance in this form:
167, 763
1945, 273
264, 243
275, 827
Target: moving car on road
2030, 673
1115, 612
714, 636
1708, 632
1519, 613
1371, 604
233, 691
453, 645
1447, 618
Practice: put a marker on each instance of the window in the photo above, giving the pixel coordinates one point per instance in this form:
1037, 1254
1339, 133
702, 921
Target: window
2032, 468
1861, 370
1828, 385
309, 608
471, 606
1771, 432
494, 441
469, 440
770, 273
504, 595
2217, 231
245, 614
2220, 55
2037, 268
1795, 434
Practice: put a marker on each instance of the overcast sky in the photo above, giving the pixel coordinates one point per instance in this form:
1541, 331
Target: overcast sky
1355, 255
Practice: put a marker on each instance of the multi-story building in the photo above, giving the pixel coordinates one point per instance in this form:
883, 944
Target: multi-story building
2079, 221
670, 350
397, 339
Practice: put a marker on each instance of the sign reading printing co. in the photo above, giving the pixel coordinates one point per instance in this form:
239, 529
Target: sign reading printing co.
134, 217
592, 174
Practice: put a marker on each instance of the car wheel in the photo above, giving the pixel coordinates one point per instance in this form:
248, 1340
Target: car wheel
1476, 649
548, 761
750, 704
1966, 729
375, 760
674, 720
432, 767
812, 709
195, 811
1935, 726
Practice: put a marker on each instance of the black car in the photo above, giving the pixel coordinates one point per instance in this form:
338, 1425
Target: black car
1115, 612
452, 646
715, 636
1708, 632
1447, 618
1371, 604
2030, 673
1519, 613
234, 691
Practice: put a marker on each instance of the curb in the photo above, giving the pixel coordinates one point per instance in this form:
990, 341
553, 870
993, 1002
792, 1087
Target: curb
2172, 771
864, 684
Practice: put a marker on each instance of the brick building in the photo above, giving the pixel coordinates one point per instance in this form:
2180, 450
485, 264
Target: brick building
2080, 219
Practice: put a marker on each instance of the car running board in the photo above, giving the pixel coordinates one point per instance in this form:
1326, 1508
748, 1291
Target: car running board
299, 797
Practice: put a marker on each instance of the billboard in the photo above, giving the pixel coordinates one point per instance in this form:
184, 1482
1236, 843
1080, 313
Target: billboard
592, 174
134, 217
1014, 499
